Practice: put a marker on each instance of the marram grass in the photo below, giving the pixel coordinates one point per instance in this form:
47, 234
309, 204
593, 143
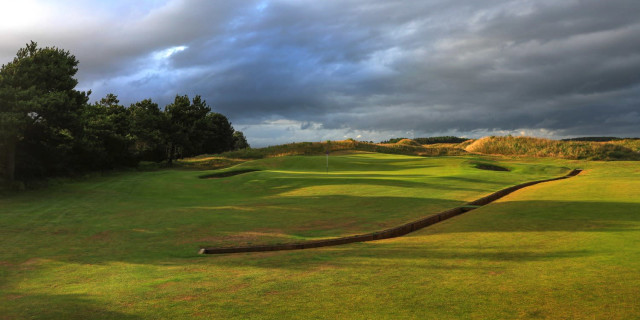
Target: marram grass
538, 147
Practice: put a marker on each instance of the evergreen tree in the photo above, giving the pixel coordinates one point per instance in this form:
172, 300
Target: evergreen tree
147, 123
106, 141
240, 141
49, 128
40, 111
182, 124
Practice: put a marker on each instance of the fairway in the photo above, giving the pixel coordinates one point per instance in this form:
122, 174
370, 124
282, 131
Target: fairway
125, 245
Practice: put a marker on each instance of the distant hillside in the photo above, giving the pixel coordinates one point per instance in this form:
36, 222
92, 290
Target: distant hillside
600, 139
319, 148
624, 149
408, 142
443, 139
537, 147
429, 140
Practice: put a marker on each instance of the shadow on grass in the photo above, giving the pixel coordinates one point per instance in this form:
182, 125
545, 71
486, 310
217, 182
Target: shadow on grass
165, 246
350, 163
67, 306
287, 182
515, 216
465, 180
394, 255
505, 253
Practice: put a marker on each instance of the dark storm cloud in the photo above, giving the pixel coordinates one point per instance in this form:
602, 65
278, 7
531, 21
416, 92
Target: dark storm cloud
561, 67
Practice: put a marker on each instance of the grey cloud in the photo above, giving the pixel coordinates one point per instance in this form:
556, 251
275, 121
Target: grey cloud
570, 67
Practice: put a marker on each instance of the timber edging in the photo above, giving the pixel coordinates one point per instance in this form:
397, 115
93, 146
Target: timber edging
387, 233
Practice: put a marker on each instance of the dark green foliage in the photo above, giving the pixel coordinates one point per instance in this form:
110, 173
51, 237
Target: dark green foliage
218, 134
47, 128
106, 141
239, 141
40, 112
147, 125
192, 129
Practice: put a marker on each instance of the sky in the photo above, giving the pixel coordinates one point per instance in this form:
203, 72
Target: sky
285, 71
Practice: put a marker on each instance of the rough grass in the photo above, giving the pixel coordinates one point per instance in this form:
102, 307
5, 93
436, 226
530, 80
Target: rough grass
408, 142
633, 144
623, 149
537, 147
320, 148
123, 247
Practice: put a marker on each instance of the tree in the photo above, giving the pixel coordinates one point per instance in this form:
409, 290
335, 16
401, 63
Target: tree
147, 123
191, 129
49, 128
181, 124
217, 134
240, 141
106, 141
39, 110
12, 126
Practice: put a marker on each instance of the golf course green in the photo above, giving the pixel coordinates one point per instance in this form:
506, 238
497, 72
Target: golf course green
125, 245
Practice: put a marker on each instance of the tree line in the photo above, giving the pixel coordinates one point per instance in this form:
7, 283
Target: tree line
48, 128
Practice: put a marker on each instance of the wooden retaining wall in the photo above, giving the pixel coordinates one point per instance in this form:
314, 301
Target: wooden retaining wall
387, 233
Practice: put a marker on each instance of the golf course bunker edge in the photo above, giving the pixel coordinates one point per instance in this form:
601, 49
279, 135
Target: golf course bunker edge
387, 233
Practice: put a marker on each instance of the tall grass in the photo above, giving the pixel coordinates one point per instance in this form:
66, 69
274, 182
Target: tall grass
633, 144
537, 147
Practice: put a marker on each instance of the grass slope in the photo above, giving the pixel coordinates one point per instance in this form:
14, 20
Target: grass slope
123, 247
320, 148
624, 149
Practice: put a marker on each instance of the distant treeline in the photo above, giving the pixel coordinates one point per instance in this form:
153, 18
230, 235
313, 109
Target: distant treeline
47, 128
598, 139
430, 140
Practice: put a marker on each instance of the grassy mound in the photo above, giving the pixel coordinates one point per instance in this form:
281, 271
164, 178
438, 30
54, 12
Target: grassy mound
443, 139
320, 148
633, 144
537, 147
408, 142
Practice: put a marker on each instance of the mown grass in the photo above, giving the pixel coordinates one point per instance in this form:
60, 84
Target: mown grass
123, 247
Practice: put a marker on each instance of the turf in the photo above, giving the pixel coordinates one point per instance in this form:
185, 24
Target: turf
124, 246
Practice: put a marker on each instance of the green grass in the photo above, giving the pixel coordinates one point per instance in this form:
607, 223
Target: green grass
124, 246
